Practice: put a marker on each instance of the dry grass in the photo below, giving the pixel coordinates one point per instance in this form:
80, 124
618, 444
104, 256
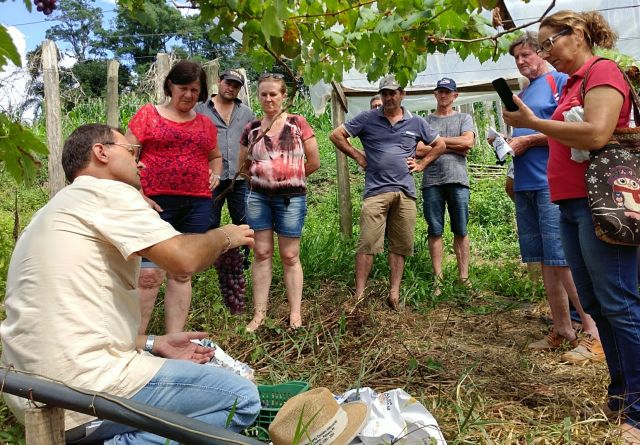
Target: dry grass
473, 372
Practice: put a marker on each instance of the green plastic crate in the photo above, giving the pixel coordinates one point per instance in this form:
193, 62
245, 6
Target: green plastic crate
272, 397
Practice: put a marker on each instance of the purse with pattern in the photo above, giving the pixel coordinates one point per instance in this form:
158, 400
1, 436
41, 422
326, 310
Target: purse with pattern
613, 182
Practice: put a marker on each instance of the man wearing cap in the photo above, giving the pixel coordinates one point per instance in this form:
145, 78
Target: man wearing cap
230, 116
389, 135
445, 181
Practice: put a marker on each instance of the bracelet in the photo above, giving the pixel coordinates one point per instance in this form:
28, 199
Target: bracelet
148, 346
228, 239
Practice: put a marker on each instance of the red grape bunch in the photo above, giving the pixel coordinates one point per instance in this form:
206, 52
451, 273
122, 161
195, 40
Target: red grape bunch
231, 279
45, 6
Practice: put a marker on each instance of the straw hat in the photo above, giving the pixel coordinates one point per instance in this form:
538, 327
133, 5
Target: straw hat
326, 421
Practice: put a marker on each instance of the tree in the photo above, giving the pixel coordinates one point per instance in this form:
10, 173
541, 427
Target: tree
323, 39
79, 26
144, 32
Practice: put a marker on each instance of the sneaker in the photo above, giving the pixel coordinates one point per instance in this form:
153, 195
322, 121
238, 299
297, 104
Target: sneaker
553, 340
589, 349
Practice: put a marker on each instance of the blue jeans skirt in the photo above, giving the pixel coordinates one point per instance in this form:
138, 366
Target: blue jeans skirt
607, 282
187, 214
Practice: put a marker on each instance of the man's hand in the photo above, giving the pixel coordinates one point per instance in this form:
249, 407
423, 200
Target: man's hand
415, 165
239, 235
519, 145
361, 159
178, 346
154, 205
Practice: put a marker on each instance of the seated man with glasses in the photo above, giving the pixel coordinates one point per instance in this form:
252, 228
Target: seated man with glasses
72, 310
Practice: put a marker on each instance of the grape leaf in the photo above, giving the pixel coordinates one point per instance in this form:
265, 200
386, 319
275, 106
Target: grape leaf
8, 50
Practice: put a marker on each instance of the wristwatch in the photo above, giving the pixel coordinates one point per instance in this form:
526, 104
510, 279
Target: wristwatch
148, 346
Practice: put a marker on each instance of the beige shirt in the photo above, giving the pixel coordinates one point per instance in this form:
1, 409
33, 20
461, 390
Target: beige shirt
72, 311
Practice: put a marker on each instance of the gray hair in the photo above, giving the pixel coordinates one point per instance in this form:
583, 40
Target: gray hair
529, 38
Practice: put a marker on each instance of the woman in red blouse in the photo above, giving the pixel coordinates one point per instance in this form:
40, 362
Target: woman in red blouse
281, 151
605, 274
181, 166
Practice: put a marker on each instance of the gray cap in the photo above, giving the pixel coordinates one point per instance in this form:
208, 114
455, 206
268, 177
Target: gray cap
233, 75
389, 82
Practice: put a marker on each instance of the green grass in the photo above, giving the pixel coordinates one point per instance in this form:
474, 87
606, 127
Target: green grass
499, 284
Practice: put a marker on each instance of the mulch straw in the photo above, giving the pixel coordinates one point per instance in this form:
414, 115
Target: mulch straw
473, 372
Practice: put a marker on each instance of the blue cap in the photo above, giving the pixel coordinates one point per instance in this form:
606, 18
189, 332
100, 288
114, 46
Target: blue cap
447, 84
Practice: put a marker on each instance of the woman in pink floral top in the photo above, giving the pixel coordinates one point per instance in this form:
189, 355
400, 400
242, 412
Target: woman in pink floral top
281, 151
182, 165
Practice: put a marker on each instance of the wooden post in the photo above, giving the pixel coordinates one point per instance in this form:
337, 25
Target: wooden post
44, 426
53, 121
502, 127
162, 69
338, 108
113, 114
245, 91
488, 110
212, 69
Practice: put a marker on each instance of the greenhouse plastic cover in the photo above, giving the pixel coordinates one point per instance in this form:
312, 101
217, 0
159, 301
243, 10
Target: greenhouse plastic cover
622, 15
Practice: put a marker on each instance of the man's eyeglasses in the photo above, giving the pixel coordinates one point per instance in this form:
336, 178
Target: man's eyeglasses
133, 149
271, 76
547, 45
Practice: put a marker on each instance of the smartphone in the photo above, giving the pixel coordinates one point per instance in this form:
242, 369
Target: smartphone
505, 93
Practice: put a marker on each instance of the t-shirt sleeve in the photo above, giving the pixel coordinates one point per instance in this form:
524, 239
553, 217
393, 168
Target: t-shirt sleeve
607, 73
128, 223
211, 132
305, 129
467, 124
139, 123
561, 81
428, 135
354, 126
244, 137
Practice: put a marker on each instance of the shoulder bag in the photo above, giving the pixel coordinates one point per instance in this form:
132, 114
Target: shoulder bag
613, 181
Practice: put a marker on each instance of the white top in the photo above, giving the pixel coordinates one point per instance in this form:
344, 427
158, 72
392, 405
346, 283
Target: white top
72, 310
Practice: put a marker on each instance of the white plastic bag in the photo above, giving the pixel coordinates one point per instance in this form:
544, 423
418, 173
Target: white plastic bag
500, 145
224, 360
576, 114
395, 417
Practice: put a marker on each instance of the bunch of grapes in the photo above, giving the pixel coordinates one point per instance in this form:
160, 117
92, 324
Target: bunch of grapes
231, 278
46, 6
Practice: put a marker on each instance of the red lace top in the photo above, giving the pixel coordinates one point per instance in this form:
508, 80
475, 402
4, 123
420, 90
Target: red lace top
175, 154
277, 164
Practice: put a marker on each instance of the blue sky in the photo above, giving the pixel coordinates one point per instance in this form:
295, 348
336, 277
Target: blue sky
33, 25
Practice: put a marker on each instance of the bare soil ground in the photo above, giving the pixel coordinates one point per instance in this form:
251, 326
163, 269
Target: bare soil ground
473, 372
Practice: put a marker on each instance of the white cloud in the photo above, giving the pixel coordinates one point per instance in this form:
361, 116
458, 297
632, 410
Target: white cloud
13, 79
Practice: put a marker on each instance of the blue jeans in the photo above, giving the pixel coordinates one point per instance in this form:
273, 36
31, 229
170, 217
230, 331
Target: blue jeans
456, 197
235, 203
607, 282
284, 214
202, 392
539, 228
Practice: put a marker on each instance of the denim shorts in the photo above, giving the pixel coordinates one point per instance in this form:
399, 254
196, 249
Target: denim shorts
187, 214
283, 214
539, 228
456, 198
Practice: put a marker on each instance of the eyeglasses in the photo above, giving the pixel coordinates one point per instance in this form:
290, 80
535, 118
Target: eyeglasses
133, 149
271, 75
547, 45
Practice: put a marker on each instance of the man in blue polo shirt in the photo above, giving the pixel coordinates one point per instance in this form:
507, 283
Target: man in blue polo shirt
389, 135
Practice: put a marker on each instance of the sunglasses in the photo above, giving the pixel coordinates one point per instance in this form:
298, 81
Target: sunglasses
271, 76
547, 45
133, 149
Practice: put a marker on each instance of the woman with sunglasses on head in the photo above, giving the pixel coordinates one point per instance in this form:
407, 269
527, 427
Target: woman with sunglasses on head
604, 274
280, 151
181, 166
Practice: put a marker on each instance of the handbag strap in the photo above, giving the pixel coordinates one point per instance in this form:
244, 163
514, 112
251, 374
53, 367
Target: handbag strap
635, 100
